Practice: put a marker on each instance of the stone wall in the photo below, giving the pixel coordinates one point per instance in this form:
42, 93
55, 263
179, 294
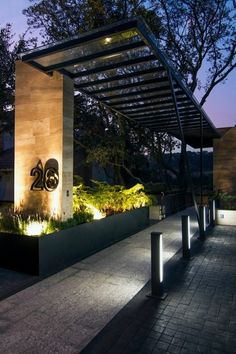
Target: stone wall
43, 132
224, 161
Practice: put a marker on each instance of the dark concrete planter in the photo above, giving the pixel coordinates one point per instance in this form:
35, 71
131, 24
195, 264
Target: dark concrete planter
50, 253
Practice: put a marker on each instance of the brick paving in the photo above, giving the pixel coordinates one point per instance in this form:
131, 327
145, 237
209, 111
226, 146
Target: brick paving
198, 315
64, 312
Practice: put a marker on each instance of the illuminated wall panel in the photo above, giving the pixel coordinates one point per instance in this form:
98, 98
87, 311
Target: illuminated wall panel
43, 142
225, 162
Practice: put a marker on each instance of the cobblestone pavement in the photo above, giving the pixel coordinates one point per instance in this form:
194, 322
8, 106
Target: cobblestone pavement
63, 313
198, 315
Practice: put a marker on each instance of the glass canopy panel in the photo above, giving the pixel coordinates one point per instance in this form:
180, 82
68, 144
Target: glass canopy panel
152, 111
139, 94
145, 86
145, 106
113, 79
120, 73
111, 59
95, 46
143, 103
122, 66
127, 81
139, 97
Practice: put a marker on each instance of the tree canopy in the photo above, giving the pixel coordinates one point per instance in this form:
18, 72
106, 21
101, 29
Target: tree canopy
58, 19
198, 37
9, 50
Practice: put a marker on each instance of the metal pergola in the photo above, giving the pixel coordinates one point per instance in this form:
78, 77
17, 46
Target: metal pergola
122, 66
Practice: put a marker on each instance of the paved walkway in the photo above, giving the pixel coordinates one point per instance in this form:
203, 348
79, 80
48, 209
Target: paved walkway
198, 315
63, 313
11, 282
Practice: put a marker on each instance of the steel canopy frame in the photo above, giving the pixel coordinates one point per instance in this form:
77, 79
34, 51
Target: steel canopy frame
139, 76
122, 66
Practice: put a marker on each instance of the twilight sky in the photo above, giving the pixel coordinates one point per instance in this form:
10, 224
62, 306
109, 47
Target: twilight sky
220, 105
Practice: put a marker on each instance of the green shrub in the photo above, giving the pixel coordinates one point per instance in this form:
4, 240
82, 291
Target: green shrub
226, 201
79, 218
88, 203
35, 225
8, 223
109, 199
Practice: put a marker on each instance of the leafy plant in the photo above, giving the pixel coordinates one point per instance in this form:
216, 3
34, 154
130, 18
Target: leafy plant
35, 225
109, 199
226, 201
88, 204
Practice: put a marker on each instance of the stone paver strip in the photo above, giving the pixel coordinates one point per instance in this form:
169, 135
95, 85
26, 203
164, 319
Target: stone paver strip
198, 315
62, 313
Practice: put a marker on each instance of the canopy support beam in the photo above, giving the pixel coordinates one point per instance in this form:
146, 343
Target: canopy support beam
201, 159
184, 144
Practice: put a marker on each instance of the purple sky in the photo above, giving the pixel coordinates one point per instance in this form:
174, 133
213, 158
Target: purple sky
220, 105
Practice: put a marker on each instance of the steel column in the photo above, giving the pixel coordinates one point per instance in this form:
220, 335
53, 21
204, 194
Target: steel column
201, 159
202, 223
184, 144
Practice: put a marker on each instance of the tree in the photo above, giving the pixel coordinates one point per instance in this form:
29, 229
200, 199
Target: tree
9, 50
196, 35
104, 136
59, 19
199, 35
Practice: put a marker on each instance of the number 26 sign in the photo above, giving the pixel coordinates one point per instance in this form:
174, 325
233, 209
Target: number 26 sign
46, 177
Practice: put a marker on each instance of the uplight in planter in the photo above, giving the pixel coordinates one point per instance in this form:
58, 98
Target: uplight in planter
107, 40
97, 214
35, 228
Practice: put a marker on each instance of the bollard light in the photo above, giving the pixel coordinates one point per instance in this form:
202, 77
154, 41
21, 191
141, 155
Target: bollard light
202, 222
157, 289
212, 205
186, 236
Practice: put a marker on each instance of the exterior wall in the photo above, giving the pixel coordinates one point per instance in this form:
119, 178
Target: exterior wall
6, 141
224, 162
43, 132
6, 186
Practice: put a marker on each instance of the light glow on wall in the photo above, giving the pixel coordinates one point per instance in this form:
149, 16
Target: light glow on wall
20, 181
54, 204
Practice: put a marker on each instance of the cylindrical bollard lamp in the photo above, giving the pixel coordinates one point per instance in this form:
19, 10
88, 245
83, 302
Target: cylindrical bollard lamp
186, 236
212, 207
157, 289
202, 222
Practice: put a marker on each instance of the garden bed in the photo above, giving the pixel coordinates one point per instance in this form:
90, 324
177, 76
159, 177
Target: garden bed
50, 253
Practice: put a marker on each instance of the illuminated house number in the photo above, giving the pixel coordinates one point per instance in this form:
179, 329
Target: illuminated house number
45, 177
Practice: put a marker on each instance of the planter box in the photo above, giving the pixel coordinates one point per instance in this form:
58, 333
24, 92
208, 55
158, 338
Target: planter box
50, 253
226, 217
156, 212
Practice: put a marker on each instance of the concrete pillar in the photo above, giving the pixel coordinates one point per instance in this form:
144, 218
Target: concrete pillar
43, 142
